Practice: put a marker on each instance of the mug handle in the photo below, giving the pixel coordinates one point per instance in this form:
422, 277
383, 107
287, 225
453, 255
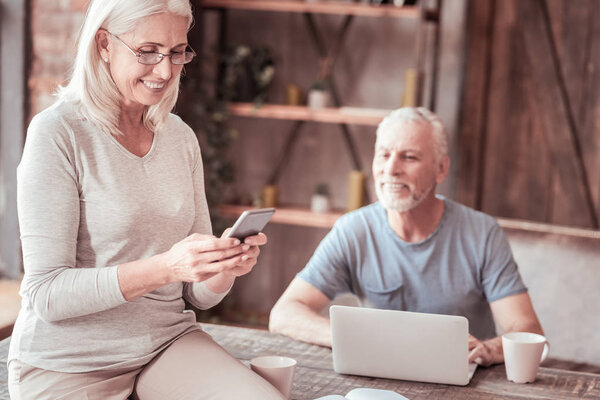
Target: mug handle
546, 350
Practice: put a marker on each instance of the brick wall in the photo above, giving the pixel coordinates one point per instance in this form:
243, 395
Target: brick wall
55, 25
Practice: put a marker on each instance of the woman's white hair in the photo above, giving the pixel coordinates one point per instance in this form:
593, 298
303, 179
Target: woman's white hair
416, 114
91, 84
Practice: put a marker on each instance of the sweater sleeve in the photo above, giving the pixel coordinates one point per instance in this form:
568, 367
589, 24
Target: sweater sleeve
197, 293
48, 210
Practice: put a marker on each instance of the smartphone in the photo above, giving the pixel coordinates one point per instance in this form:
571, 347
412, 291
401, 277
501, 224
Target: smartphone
251, 222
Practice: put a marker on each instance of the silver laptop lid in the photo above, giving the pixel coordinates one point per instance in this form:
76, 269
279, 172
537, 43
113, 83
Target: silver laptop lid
400, 344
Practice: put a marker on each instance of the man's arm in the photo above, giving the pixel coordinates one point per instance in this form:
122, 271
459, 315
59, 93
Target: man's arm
513, 314
296, 314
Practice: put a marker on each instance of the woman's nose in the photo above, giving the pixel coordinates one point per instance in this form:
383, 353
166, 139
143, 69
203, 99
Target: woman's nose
164, 68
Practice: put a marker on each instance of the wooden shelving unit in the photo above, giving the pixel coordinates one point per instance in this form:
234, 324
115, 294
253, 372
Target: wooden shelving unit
317, 7
327, 53
342, 115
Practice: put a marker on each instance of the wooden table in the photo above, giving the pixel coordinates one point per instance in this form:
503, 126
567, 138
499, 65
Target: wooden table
315, 377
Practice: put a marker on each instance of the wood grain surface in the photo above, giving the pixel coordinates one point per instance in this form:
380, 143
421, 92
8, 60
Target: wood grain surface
315, 377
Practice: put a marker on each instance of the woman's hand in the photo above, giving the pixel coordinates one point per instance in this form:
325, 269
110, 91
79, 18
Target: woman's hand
200, 257
196, 258
247, 263
223, 281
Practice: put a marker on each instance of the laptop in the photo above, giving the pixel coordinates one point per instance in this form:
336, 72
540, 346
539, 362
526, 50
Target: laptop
400, 345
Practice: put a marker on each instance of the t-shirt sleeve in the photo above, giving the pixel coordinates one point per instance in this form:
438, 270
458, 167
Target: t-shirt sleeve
328, 269
500, 276
48, 209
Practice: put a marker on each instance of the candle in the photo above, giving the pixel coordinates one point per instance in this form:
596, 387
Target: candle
356, 190
293, 95
269, 195
410, 88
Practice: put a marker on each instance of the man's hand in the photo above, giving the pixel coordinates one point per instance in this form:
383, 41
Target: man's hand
514, 314
297, 314
486, 352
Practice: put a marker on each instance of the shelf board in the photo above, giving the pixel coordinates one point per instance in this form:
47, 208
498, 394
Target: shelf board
343, 115
304, 217
318, 7
288, 215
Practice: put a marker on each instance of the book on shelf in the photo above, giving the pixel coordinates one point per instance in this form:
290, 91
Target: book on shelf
366, 394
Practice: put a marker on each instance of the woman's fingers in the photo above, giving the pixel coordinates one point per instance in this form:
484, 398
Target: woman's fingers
225, 265
256, 240
199, 257
206, 257
225, 232
214, 244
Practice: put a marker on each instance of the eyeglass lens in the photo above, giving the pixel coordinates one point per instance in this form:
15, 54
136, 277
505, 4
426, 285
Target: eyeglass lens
176, 58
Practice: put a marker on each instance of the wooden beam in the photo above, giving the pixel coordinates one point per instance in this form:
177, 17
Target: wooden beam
342, 115
332, 7
557, 117
475, 102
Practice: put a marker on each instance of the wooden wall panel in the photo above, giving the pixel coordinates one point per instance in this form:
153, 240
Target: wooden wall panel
590, 114
538, 137
572, 28
474, 111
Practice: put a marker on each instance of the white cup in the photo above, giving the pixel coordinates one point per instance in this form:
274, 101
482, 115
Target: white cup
278, 371
523, 353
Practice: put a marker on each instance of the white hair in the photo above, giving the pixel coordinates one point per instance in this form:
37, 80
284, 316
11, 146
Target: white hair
413, 114
91, 84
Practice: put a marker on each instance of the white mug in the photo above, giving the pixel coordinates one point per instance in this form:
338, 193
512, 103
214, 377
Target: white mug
278, 371
523, 353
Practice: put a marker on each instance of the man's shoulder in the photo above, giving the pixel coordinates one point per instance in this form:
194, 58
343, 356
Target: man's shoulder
364, 216
465, 217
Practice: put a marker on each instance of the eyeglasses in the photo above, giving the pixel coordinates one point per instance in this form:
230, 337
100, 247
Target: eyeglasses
153, 57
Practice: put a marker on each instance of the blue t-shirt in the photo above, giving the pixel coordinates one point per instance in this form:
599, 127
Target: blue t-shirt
465, 264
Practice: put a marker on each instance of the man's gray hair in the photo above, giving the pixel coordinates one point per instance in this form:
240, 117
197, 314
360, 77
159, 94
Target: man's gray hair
418, 114
91, 85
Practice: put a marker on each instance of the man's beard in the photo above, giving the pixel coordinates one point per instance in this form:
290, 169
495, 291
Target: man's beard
391, 202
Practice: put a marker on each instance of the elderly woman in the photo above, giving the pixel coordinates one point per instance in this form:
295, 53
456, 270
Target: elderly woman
115, 228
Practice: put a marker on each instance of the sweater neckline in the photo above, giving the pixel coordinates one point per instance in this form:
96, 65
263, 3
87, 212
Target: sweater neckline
129, 154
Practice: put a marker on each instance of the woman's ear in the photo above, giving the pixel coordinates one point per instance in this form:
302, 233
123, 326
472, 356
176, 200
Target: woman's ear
103, 44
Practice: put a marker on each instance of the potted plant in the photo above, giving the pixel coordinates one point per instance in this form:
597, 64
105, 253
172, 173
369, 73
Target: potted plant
247, 73
318, 94
320, 201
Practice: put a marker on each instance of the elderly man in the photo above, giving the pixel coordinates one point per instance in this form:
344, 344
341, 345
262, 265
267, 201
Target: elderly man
412, 250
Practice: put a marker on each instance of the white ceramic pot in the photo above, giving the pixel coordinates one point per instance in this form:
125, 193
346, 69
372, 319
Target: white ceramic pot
318, 99
319, 203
